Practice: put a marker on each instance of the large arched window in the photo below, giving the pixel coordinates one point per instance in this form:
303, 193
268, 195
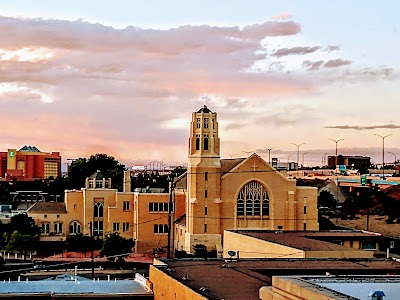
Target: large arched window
98, 209
253, 200
74, 227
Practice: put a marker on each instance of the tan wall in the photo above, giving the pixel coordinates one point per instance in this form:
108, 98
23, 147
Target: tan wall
51, 218
286, 288
340, 254
145, 220
250, 247
165, 287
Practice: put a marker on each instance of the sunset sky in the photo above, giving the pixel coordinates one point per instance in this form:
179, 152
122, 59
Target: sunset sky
123, 77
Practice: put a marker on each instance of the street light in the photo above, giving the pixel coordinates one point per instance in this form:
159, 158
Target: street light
269, 154
248, 152
383, 153
231, 155
303, 164
395, 157
336, 141
298, 146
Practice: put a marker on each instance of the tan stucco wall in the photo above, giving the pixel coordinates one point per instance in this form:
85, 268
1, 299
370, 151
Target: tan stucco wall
250, 247
288, 288
165, 287
51, 218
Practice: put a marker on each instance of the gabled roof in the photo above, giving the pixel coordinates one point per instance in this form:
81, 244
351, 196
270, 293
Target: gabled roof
97, 175
181, 220
229, 164
48, 207
181, 181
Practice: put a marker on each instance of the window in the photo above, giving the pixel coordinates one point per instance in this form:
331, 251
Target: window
75, 207
198, 123
205, 122
90, 184
98, 209
58, 228
160, 228
213, 122
107, 184
98, 228
205, 228
305, 209
368, 245
205, 193
158, 207
205, 211
252, 200
45, 216
125, 205
99, 184
74, 227
304, 226
197, 141
45, 228
125, 227
58, 216
206, 176
116, 226
206, 142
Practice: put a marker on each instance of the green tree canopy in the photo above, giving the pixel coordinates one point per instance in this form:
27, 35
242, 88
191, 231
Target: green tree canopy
82, 168
326, 199
115, 245
78, 243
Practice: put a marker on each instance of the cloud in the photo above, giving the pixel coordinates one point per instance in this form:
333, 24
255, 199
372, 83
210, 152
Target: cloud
331, 48
295, 51
387, 126
282, 16
312, 65
334, 63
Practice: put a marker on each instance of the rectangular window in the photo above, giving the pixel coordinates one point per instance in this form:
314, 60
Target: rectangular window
205, 193
45, 228
58, 216
205, 211
305, 209
125, 205
205, 228
45, 216
116, 226
90, 184
213, 122
206, 176
206, 142
58, 228
98, 209
98, 228
368, 245
99, 184
158, 207
305, 226
198, 123
205, 122
160, 228
197, 141
125, 227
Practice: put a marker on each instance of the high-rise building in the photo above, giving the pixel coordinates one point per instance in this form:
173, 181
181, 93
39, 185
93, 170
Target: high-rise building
29, 163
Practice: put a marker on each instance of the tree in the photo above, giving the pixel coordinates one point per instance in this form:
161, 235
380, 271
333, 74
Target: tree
326, 199
22, 235
115, 245
82, 168
200, 250
78, 243
22, 243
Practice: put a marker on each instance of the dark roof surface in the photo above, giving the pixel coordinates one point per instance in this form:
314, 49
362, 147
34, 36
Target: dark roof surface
229, 164
242, 279
204, 109
48, 207
309, 240
181, 220
29, 148
97, 175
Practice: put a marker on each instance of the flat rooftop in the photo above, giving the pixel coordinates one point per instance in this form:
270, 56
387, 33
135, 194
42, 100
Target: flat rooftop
221, 278
310, 240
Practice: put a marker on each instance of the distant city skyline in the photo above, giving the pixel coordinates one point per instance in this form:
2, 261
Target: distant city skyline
123, 78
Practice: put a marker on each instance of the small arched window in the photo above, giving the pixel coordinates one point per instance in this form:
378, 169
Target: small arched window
253, 200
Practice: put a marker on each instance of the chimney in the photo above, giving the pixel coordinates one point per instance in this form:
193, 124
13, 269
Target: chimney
127, 182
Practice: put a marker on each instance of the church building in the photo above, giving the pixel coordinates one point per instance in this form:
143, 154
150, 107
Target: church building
235, 194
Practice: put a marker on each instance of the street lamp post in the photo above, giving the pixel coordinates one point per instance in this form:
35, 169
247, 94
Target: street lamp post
395, 157
269, 154
336, 141
383, 152
304, 153
297, 167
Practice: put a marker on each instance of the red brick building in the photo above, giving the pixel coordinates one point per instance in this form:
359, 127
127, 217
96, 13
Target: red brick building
29, 163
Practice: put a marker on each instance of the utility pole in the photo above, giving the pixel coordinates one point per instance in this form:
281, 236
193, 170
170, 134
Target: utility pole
337, 179
91, 247
170, 210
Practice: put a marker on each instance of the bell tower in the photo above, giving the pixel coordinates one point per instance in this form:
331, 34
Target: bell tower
204, 182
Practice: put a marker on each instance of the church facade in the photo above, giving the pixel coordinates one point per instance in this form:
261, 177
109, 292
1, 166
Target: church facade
235, 194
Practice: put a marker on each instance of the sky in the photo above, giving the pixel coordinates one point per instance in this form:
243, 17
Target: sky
123, 77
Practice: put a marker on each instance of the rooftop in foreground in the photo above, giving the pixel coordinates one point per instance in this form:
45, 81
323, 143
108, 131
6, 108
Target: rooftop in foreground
220, 277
